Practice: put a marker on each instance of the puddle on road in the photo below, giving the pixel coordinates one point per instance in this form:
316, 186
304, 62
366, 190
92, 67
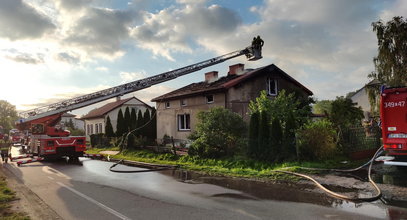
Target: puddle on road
257, 190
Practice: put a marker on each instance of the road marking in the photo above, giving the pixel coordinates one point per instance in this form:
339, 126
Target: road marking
50, 178
119, 215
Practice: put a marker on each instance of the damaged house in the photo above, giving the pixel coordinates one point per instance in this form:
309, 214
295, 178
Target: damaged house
177, 110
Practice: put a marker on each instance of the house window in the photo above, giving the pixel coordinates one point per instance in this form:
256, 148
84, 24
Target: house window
100, 128
209, 99
167, 105
271, 86
183, 102
96, 129
91, 129
184, 122
88, 129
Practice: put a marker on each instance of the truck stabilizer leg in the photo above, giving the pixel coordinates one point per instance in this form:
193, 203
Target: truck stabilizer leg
29, 161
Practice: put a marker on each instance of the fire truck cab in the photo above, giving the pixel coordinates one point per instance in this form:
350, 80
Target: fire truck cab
393, 114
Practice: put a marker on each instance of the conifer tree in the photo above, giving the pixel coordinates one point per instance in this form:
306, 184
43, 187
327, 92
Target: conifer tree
264, 136
154, 123
253, 149
146, 122
133, 119
120, 127
127, 119
276, 139
139, 123
109, 128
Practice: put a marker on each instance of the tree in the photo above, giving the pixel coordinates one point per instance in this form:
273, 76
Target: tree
253, 148
286, 113
322, 107
344, 113
109, 128
133, 119
140, 122
219, 132
276, 136
391, 60
127, 119
265, 146
154, 123
147, 124
121, 126
8, 115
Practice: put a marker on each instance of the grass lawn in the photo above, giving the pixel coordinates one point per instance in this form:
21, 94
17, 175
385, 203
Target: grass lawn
6, 197
236, 167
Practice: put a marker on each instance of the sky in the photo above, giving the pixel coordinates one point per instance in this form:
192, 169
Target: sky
51, 50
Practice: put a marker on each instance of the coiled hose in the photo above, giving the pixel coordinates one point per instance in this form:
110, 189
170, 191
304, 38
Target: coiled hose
337, 195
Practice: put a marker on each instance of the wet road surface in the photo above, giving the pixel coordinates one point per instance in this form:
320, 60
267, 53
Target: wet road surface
88, 190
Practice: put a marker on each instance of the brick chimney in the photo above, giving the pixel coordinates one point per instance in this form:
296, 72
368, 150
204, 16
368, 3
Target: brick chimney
211, 76
236, 69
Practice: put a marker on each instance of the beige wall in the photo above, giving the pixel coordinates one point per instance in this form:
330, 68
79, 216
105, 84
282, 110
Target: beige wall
93, 123
167, 123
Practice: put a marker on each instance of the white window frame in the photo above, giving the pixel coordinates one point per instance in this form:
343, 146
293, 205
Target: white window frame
207, 100
167, 105
269, 83
96, 129
185, 124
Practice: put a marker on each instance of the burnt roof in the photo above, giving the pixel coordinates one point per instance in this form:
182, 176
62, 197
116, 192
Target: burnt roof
224, 83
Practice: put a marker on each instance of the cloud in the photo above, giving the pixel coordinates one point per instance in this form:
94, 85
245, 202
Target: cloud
399, 8
101, 32
67, 57
71, 5
26, 58
19, 20
175, 29
132, 76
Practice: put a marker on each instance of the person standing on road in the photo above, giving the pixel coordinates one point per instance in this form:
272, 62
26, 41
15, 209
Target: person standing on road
4, 150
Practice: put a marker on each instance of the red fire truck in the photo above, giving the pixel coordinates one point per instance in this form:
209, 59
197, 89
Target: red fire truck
393, 114
16, 136
49, 140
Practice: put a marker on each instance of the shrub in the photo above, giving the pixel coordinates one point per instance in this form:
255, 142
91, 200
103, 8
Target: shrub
219, 133
317, 140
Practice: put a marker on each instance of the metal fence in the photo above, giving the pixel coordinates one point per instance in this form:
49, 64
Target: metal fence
360, 138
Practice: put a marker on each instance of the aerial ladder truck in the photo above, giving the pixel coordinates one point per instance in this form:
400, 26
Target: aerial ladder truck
47, 140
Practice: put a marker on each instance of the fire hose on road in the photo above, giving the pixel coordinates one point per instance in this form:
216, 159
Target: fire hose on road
377, 195
341, 196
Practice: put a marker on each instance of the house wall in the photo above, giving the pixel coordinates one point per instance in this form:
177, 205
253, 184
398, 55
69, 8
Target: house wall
133, 103
239, 97
90, 126
362, 99
167, 122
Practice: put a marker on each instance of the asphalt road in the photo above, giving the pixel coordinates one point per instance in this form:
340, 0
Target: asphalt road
89, 191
